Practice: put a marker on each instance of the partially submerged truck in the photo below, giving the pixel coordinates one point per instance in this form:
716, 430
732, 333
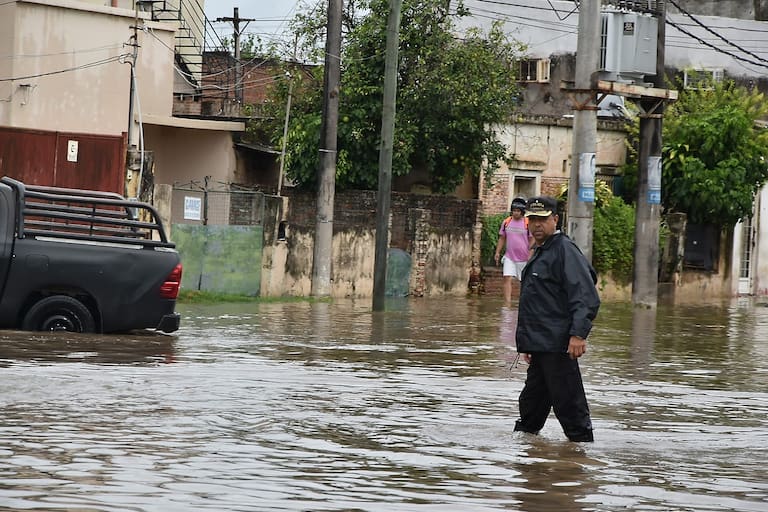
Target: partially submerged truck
84, 261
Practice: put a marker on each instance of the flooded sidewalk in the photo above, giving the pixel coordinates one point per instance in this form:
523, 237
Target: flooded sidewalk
327, 406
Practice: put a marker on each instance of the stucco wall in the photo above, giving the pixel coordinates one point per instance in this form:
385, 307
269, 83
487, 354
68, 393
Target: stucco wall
542, 147
67, 68
448, 262
760, 252
183, 155
744, 9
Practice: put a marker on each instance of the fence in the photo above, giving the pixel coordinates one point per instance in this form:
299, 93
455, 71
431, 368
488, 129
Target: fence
219, 232
209, 203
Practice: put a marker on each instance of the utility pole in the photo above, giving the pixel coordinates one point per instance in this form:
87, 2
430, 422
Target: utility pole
385, 155
645, 279
236, 20
581, 186
326, 180
133, 155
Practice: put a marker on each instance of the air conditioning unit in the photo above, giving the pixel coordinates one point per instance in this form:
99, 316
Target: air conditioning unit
628, 46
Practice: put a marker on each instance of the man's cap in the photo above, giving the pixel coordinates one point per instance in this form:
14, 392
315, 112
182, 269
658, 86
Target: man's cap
518, 203
541, 206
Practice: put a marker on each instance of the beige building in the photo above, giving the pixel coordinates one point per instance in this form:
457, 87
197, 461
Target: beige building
66, 66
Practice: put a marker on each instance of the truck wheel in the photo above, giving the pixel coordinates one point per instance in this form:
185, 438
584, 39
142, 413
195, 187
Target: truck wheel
59, 313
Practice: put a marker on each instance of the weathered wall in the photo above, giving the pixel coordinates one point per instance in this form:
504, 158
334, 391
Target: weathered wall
542, 147
743, 9
437, 231
760, 252
184, 155
224, 259
89, 40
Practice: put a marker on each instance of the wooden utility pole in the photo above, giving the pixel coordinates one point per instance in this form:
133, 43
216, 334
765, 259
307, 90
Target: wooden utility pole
581, 186
326, 180
645, 278
236, 20
385, 156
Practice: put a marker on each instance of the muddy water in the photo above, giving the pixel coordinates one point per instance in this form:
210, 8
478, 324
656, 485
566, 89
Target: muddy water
297, 406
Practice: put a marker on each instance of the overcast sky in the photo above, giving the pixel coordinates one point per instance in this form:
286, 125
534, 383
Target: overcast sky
270, 16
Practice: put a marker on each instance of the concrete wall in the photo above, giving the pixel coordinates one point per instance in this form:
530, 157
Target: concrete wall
224, 259
183, 155
760, 251
542, 147
92, 95
744, 9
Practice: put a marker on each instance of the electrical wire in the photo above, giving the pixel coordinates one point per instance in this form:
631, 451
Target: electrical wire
56, 54
68, 70
715, 33
712, 46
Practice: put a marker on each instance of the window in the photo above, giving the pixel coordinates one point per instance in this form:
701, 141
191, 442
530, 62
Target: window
702, 78
702, 247
534, 70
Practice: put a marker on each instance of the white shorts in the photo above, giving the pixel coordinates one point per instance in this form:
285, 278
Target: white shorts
513, 268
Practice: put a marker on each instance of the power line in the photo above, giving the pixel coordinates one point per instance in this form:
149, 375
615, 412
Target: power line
68, 70
707, 43
713, 32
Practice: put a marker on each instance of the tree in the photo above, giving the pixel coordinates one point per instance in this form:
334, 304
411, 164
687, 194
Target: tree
714, 154
451, 94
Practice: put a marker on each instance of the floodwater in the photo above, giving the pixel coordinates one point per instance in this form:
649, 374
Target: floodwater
326, 406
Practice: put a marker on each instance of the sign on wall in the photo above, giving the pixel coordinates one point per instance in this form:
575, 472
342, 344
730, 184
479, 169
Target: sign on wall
193, 206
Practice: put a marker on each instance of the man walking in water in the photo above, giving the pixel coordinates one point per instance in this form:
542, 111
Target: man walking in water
558, 302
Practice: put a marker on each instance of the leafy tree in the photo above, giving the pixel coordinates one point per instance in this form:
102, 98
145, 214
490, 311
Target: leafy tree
714, 154
451, 94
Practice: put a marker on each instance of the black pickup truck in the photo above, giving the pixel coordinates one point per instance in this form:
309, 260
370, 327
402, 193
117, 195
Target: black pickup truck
84, 261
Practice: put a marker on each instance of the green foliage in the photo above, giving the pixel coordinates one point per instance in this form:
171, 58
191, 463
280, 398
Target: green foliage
614, 239
714, 155
489, 237
451, 92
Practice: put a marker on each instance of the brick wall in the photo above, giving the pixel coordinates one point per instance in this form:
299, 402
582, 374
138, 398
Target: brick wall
495, 197
357, 208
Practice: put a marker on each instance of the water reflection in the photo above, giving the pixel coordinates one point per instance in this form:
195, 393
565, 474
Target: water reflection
643, 336
329, 406
141, 347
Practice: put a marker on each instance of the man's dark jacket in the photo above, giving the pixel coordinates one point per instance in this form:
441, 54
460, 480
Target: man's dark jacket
558, 298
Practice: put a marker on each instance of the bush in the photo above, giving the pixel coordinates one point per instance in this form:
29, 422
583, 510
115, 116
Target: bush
490, 237
614, 239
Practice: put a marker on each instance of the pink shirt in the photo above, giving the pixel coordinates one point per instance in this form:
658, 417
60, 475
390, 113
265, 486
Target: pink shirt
518, 241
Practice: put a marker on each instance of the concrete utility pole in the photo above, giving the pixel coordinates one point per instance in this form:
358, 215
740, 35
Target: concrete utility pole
581, 186
236, 20
133, 155
385, 156
326, 180
645, 279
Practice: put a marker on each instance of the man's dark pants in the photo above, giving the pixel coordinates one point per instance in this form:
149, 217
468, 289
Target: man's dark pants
554, 382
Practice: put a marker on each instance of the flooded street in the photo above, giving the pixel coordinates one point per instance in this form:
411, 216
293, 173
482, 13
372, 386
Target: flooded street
326, 406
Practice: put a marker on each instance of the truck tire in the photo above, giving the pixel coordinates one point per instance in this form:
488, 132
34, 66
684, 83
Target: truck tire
59, 313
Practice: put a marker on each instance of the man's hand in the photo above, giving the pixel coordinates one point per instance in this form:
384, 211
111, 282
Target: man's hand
576, 347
